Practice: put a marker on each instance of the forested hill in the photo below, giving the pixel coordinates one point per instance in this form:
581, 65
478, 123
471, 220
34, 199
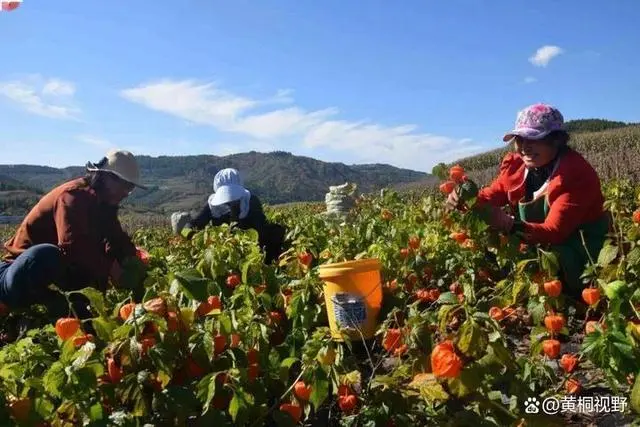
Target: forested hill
184, 182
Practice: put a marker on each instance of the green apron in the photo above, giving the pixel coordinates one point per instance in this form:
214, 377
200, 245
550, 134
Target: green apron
571, 253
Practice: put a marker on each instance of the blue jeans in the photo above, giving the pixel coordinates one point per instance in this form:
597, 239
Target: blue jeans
25, 281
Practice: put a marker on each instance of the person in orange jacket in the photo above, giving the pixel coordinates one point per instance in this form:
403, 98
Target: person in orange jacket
554, 192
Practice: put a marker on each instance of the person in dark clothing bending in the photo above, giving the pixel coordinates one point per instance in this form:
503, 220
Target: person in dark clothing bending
232, 202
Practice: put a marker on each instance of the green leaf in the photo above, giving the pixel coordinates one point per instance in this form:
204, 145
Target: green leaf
239, 406
251, 234
245, 270
635, 395
519, 290
549, 261
122, 332
430, 389
104, 328
44, 408
320, 390
54, 379
353, 377
468, 381
68, 350
495, 395
96, 413
383, 381
633, 257
162, 358
285, 366
537, 311
522, 265
443, 316
448, 298
140, 404
607, 255
96, 299
225, 325
472, 339
502, 354
193, 285
206, 390
614, 289
85, 380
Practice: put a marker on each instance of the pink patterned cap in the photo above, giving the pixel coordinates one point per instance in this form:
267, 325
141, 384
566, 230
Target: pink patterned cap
536, 121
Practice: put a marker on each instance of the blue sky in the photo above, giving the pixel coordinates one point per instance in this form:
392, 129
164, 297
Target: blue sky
355, 81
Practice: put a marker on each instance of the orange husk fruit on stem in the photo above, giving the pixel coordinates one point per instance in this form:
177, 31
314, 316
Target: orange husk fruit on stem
143, 255
212, 303
568, 362
126, 310
302, 391
551, 348
460, 237
81, 340
444, 360
295, 411
414, 242
572, 386
553, 288
348, 403
447, 187
554, 322
496, 313
392, 340
114, 371
66, 327
305, 258
591, 295
456, 173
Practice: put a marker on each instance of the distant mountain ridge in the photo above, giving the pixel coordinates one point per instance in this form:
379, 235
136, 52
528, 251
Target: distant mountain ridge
184, 182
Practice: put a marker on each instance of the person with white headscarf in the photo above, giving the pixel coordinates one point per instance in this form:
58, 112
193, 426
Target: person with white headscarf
232, 202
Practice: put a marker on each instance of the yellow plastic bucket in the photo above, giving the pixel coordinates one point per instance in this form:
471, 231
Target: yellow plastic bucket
353, 295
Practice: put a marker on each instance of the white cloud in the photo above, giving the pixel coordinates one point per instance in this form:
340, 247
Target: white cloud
544, 55
49, 98
366, 141
199, 103
58, 87
529, 80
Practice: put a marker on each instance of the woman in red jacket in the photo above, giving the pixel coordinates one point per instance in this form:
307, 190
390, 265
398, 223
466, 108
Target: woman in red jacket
553, 190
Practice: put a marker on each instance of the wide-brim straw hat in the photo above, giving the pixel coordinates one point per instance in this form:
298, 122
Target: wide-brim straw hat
121, 163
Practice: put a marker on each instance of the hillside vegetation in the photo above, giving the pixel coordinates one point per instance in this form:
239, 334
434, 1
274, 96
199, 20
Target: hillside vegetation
184, 182
614, 153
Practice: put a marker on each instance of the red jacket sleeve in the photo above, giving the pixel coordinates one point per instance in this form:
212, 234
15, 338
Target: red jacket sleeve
496, 193
79, 242
570, 201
